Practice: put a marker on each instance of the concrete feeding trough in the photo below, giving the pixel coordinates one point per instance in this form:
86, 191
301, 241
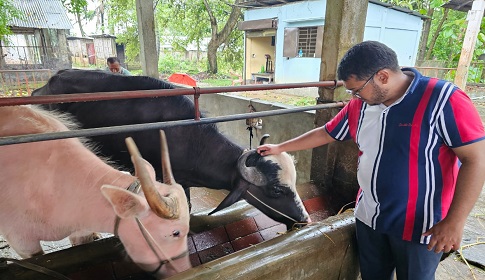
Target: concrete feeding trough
237, 243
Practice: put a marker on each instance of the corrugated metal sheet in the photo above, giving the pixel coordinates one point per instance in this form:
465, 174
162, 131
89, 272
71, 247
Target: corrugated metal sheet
459, 5
41, 14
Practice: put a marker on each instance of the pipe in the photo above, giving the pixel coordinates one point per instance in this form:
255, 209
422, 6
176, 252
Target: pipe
158, 125
83, 97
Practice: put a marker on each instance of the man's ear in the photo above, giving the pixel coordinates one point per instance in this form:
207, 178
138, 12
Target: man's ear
383, 76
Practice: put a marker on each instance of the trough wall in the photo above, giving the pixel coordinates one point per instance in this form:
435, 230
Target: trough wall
280, 128
323, 250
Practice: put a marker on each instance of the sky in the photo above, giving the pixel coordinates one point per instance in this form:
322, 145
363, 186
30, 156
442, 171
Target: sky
89, 27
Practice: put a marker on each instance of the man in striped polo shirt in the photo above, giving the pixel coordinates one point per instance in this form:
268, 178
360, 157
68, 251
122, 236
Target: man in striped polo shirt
411, 130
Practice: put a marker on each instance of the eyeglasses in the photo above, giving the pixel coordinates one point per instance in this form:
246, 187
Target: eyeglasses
357, 92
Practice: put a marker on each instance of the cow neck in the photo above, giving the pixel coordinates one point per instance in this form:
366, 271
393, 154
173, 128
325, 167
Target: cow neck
221, 168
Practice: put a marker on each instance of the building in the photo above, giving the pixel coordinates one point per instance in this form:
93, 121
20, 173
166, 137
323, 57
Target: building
283, 42
39, 38
94, 50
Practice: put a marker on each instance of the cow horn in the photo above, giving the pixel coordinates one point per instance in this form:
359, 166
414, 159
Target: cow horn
263, 139
166, 166
164, 207
250, 173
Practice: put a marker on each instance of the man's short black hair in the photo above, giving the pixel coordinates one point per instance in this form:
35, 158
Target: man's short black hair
112, 59
366, 58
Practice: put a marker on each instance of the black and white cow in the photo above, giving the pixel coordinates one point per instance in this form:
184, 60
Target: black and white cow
200, 155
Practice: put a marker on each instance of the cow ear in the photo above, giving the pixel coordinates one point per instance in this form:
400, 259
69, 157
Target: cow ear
125, 203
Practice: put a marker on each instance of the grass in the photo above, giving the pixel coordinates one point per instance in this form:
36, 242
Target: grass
218, 82
303, 101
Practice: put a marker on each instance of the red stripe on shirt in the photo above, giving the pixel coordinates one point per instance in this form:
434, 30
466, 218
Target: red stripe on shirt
449, 171
471, 129
413, 161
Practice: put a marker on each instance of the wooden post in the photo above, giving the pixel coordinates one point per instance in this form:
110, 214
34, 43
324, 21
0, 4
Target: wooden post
474, 18
344, 27
146, 29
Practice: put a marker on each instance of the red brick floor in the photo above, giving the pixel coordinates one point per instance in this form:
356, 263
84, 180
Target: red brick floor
217, 242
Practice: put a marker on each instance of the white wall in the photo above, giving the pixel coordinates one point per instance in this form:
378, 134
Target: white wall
398, 30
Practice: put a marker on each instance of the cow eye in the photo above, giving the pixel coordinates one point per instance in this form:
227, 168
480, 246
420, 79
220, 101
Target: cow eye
277, 191
176, 233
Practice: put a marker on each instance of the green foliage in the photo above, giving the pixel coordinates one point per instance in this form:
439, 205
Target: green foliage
75, 6
8, 12
450, 39
303, 101
187, 22
122, 23
218, 82
174, 62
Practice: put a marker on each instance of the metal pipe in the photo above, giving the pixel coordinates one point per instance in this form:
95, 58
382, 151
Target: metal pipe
83, 97
157, 125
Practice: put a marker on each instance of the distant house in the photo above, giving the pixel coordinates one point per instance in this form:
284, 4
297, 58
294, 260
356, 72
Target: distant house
285, 40
94, 50
39, 37
82, 50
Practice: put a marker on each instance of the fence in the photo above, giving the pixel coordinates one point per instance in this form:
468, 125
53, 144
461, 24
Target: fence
476, 73
16, 83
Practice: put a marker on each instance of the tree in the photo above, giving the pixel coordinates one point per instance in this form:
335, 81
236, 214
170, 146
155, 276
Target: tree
79, 9
442, 34
8, 12
122, 22
219, 38
194, 20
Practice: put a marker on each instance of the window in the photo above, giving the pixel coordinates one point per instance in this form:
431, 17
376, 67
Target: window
21, 48
307, 41
303, 42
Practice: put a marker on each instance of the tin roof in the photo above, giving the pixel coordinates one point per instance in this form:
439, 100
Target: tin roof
459, 5
252, 4
41, 14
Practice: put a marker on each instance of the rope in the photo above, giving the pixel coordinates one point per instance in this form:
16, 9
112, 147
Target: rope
288, 217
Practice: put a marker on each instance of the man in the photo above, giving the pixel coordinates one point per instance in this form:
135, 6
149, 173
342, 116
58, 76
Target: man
410, 129
115, 67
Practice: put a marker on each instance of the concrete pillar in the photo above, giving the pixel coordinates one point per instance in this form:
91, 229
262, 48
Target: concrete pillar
146, 29
344, 27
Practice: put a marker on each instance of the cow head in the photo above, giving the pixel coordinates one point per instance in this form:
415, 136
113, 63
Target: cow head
153, 227
269, 184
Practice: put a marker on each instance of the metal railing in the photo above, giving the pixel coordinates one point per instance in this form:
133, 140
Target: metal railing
15, 83
196, 92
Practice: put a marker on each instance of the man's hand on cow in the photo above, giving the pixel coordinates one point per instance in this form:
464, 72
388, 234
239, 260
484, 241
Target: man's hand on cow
269, 149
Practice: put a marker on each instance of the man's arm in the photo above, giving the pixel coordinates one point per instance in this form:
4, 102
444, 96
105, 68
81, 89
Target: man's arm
313, 138
446, 235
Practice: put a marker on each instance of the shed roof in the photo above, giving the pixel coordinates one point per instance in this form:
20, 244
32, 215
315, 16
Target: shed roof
41, 14
267, 3
459, 5
102, 36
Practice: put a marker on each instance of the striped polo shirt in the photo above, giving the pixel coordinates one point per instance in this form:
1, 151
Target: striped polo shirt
406, 168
